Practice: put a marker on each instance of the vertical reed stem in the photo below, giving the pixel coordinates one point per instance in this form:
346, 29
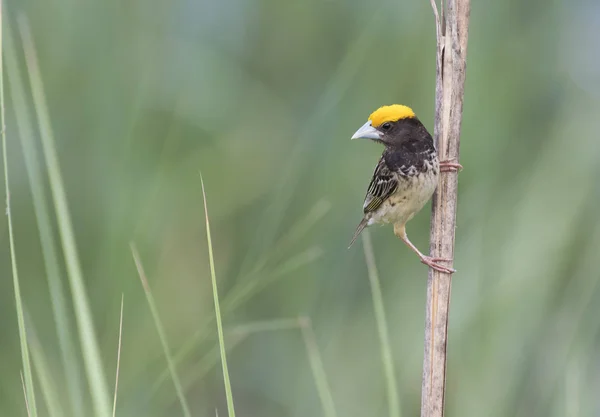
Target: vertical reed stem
451, 34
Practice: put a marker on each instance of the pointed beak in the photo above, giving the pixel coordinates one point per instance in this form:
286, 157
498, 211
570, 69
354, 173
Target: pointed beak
367, 131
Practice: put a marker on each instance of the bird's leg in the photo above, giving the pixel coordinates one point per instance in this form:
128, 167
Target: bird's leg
450, 165
400, 231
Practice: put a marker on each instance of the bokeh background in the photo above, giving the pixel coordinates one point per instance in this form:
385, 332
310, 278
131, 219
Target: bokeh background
262, 97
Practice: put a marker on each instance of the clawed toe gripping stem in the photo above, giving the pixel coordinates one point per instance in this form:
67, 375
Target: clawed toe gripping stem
433, 263
450, 165
400, 231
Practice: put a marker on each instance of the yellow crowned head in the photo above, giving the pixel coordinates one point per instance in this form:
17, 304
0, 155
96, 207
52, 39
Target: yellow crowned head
391, 113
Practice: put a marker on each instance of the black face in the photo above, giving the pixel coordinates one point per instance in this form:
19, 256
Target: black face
405, 132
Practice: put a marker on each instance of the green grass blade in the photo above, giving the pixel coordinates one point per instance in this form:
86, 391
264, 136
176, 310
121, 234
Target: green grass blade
89, 345
25, 395
227, 382
161, 332
382, 328
317, 368
42, 213
114, 412
44, 375
27, 377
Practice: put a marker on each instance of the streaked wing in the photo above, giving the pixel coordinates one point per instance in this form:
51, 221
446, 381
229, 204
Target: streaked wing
383, 184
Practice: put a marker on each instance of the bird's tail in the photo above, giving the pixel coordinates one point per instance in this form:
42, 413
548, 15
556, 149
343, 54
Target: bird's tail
361, 226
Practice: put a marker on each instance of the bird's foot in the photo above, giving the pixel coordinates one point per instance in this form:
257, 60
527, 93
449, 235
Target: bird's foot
450, 166
433, 263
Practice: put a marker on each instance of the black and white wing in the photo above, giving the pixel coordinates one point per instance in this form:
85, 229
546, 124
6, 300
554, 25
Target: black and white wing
383, 184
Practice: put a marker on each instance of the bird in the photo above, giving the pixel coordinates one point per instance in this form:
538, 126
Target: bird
406, 175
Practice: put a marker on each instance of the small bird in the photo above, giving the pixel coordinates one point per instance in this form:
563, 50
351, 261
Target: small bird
406, 175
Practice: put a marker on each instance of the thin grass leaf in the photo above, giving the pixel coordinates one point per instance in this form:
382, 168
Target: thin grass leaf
317, 368
114, 413
28, 378
382, 328
228, 393
50, 255
46, 381
85, 324
161, 332
25, 394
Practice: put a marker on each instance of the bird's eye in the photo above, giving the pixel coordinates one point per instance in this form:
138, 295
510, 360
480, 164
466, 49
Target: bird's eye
386, 126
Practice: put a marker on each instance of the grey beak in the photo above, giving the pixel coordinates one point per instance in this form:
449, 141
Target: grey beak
367, 131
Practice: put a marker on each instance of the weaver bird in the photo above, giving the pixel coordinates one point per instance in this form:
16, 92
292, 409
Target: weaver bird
406, 175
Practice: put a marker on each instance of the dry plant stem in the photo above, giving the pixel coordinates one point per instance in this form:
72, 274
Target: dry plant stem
452, 34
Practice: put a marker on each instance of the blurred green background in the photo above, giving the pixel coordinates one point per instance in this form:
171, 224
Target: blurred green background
262, 96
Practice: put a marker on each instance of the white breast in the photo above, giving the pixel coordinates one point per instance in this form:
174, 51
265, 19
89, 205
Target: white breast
410, 197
